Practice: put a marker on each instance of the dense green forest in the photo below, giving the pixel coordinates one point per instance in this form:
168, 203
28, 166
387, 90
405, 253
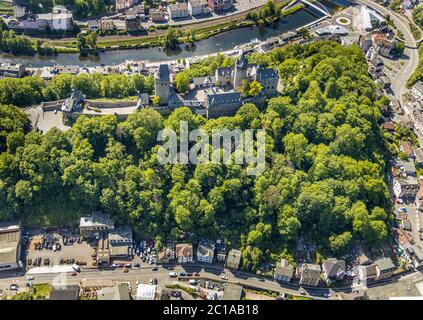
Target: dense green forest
80, 8
31, 90
324, 177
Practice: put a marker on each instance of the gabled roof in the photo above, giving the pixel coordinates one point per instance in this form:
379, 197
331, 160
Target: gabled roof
224, 98
183, 250
283, 268
333, 267
384, 264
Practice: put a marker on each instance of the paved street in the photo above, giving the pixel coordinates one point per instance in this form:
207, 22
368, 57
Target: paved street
145, 274
399, 81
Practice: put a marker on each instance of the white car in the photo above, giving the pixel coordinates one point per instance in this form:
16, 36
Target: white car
29, 278
224, 277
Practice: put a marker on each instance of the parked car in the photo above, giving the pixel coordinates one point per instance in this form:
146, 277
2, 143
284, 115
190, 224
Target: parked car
224, 277
14, 287
197, 274
182, 274
73, 274
173, 274
125, 270
402, 209
154, 269
29, 278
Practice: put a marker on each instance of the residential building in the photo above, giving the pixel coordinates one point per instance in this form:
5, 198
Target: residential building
417, 90
333, 269
367, 274
157, 15
107, 24
122, 5
220, 5
416, 255
364, 43
406, 187
405, 167
60, 19
232, 292
68, 293
284, 271
167, 254
419, 196
389, 126
162, 84
383, 44
94, 25
133, 23
406, 148
136, 10
10, 245
309, 274
198, 7
95, 223
205, 252
384, 268
118, 292
146, 292
120, 241
220, 250
184, 252
405, 224
12, 70
418, 153
177, 10
403, 240
405, 181
234, 259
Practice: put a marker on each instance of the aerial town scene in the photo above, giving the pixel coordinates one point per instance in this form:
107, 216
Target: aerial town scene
114, 183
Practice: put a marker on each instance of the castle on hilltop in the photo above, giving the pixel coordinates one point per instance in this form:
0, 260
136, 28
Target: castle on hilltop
222, 96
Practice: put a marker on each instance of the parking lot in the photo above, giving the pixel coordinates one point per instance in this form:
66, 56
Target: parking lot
53, 248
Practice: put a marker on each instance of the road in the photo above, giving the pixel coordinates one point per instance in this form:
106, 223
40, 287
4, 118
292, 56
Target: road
145, 274
399, 82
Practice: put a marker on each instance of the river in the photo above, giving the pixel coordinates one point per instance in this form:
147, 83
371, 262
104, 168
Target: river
221, 42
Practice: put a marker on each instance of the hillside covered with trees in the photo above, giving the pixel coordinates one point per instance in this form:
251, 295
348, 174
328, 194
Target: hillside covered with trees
324, 177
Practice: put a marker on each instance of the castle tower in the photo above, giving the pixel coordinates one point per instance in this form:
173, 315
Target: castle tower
241, 68
162, 84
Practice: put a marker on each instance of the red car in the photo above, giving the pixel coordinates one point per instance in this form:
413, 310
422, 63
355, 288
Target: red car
196, 274
73, 274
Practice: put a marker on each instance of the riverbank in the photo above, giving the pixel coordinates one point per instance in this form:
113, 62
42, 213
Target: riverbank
221, 42
202, 31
